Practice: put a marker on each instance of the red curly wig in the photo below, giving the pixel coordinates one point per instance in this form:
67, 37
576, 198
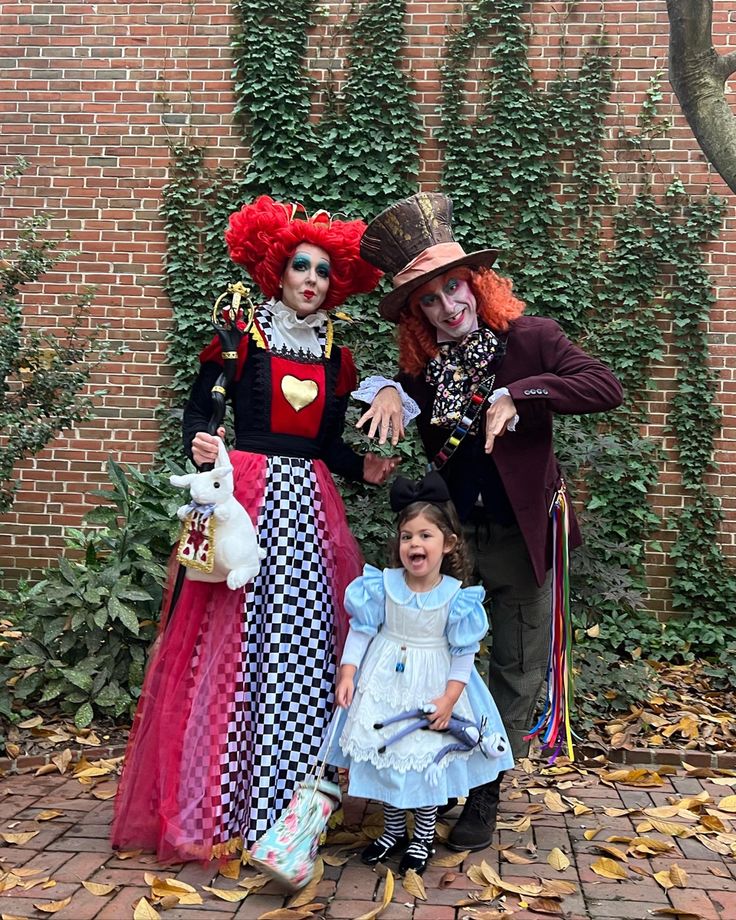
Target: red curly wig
262, 236
496, 304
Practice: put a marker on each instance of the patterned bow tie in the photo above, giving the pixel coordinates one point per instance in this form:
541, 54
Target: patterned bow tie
457, 370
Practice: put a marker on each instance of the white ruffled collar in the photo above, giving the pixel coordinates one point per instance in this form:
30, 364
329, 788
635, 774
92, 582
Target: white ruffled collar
286, 317
290, 332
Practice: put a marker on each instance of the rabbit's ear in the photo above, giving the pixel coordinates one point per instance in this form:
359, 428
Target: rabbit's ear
182, 481
220, 471
222, 457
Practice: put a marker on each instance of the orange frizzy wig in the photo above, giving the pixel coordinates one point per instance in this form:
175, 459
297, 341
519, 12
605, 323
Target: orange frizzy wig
496, 304
262, 236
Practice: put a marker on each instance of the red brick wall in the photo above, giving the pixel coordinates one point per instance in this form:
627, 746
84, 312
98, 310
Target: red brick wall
89, 94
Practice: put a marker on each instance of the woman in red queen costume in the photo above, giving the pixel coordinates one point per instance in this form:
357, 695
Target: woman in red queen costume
240, 688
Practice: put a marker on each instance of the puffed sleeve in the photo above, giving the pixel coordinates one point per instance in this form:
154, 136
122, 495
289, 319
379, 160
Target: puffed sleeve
365, 601
467, 622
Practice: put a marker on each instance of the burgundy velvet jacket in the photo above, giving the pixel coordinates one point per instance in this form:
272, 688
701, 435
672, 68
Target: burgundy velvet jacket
545, 374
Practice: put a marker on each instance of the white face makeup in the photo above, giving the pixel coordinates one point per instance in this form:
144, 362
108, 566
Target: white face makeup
449, 304
306, 279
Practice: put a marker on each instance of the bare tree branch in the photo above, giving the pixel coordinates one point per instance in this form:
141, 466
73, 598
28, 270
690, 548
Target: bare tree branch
728, 63
698, 75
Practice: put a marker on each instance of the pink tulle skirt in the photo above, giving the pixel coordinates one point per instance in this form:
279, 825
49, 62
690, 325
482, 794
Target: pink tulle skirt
239, 687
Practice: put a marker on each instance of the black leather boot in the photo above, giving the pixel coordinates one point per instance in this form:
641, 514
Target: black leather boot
477, 822
448, 806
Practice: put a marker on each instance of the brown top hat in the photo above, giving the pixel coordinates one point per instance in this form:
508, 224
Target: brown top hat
412, 240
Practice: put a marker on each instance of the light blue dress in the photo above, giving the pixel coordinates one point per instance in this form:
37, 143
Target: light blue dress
422, 632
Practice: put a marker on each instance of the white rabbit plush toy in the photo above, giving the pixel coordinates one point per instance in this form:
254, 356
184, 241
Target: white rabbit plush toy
218, 540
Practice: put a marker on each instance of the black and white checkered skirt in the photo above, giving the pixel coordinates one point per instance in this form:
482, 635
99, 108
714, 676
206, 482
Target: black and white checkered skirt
285, 686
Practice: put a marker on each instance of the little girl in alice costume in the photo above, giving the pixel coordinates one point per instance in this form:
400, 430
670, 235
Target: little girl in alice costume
414, 632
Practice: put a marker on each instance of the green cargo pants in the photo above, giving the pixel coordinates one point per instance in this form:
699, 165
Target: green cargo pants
520, 625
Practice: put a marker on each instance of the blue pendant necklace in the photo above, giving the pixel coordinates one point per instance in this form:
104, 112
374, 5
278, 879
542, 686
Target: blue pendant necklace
401, 663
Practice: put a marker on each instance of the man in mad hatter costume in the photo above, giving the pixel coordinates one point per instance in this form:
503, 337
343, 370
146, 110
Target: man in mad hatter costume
488, 381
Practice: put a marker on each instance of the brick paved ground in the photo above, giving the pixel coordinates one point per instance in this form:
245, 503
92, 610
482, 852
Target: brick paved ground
72, 847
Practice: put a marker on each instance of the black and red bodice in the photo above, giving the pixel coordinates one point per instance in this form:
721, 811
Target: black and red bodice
284, 403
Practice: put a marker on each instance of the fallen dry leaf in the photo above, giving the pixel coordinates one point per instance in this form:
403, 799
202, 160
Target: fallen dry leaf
713, 824
609, 850
590, 834
558, 860
99, 890
523, 824
649, 846
61, 761
728, 804
662, 811
609, 868
283, 913
388, 893
663, 878
231, 870
253, 882
413, 884
545, 906
451, 860
516, 859
144, 911
679, 876
676, 913
553, 801
128, 854
669, 828
447, 879
491, 915
556, 888
48, 815
715, 845
331, 860
45, 769
185, 894
19, 839
51, 907
226, 894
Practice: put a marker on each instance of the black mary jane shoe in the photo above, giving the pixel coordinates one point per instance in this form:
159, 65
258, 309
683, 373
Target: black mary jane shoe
416, 857
377, 852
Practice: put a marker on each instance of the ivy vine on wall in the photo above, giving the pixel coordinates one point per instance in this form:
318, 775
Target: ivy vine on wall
527, 175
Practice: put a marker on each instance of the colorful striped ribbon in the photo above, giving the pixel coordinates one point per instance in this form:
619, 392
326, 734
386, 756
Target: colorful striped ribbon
470, 414
553, 727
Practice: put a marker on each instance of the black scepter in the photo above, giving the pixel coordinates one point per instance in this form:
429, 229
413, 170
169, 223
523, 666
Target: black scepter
230, 329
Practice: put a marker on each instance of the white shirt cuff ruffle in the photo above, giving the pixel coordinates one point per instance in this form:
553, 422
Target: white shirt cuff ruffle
368, 388
495, 396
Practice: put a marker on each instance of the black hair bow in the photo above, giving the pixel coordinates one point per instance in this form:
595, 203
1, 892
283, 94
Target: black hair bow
431, 489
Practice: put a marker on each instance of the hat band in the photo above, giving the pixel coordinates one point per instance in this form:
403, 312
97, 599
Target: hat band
429, 260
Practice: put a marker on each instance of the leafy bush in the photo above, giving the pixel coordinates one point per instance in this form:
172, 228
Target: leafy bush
606, 683
87, 624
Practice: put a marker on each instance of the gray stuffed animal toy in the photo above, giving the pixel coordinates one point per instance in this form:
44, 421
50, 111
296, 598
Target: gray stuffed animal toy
468, 736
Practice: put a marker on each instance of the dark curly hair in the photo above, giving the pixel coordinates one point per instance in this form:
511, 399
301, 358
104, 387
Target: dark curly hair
458, 562
262, 236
